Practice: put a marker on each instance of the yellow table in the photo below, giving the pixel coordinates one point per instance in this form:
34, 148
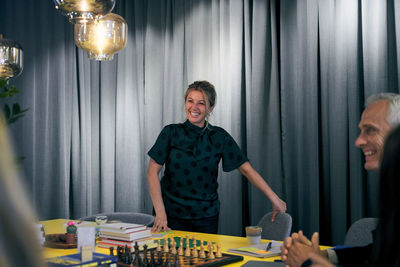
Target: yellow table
58, 226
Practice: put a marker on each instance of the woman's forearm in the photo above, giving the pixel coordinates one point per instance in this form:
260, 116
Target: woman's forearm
155, 186
255, 179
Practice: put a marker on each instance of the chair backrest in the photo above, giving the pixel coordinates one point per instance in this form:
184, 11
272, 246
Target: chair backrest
127, 217
360, 232
278, 229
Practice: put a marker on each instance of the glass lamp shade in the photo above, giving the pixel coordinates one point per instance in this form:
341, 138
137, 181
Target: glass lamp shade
11, 56
103, 37
80, 11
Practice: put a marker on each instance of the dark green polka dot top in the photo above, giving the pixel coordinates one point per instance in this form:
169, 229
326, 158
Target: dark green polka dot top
191, 156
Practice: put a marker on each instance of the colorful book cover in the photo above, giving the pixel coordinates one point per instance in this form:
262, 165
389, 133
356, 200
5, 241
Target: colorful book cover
75, 260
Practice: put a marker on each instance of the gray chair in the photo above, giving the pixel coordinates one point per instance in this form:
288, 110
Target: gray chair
278, 229
360, 232
127, 217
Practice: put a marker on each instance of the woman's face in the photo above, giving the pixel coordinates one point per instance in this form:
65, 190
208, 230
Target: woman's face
197, 107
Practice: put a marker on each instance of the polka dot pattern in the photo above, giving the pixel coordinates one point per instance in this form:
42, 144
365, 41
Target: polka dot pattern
191, 156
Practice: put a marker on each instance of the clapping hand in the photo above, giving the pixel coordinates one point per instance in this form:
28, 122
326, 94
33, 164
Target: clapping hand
297, 248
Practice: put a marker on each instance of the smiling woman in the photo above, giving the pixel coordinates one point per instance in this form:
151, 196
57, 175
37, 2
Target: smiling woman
199, 102
186, 198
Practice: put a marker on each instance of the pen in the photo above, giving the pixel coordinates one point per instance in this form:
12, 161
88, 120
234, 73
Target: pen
268, 246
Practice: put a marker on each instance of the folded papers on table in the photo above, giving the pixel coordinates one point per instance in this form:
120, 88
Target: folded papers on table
259, 250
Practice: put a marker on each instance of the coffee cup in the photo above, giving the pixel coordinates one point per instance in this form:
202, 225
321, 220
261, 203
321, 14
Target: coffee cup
253, 234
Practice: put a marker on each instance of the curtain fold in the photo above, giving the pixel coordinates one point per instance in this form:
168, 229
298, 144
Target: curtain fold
291, 79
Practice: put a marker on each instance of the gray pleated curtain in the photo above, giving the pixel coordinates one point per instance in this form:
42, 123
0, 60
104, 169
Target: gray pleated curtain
291, 79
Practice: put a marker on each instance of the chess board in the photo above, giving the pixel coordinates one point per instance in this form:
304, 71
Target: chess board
167, 259
154, 258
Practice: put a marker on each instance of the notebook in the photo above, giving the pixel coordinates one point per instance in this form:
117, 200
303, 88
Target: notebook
259, 250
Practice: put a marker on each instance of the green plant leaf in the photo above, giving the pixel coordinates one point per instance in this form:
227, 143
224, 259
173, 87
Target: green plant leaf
16, 108
7, 111
19, 160
3, 83
13, 90
14, 119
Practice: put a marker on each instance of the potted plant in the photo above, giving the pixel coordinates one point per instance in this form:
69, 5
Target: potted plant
70, 236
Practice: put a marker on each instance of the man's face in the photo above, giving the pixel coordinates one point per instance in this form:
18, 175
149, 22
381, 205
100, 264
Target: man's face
374, 129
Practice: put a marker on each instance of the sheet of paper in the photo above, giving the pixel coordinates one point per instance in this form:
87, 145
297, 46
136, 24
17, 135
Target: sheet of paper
86, 237
259, 250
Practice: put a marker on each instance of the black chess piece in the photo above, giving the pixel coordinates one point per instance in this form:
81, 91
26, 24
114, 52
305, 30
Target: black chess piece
152, 260
111, 251
160, 258
145, 260
119, 253
135, 258
176, 260
130, 258
126, 254
139, 261
145, 250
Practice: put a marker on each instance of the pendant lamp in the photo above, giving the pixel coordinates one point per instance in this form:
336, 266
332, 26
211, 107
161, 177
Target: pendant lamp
102, 37
11, 56
79, 11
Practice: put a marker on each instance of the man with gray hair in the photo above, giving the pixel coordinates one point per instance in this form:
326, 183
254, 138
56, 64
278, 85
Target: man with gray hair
381, 115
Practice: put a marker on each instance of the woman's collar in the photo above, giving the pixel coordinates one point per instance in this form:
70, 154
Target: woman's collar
194, 127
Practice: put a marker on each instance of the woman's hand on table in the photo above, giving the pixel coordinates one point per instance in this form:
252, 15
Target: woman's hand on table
160, 223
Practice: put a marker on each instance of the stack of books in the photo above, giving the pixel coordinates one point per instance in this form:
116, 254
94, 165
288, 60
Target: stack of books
124, 234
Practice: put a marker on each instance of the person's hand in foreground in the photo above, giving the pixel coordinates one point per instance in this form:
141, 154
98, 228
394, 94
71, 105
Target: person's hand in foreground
319, 261
287, 244
160, 223
297, 248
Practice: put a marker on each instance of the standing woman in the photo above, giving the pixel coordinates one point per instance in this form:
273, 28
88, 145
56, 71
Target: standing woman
187, 197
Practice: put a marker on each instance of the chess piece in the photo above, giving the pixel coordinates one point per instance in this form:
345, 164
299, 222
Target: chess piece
194, 241
159, 258
218, 254
119, 253
166, 246
173, 247
180, 249
210, 251
127, 252
159, 245
145, 259
195, 253
187, 241
176, 260
152, 260
187, 251
202, 253
111, 251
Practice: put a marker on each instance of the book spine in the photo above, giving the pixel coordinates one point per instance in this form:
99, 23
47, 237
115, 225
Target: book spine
123, 229
126, 237
123, 232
